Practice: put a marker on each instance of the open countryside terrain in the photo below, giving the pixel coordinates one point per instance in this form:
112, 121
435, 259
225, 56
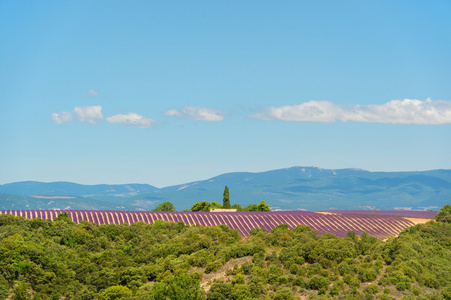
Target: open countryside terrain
56, 258
384, 225
296, 188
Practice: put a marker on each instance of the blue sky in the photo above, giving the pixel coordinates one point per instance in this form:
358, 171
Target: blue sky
168, 92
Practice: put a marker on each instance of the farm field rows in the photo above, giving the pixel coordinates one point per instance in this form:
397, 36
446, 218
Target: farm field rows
380, 226
393, 213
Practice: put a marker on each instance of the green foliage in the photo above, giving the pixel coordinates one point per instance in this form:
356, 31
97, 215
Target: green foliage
21, 291
4, 292
371, 289
262, 206
240, 292
237, 207
226, 199
213, 266
206, 206
165, 206
283, 294
64, 217
184, 287
201, 206
446, 292
444, 215
219, 291
41, 259
336, 288
318, 282
215, 205
116, 292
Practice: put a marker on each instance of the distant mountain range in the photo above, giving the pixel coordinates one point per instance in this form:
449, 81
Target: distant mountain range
296, 188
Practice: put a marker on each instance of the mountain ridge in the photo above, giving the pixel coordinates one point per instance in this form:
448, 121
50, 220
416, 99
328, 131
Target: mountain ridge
293, 188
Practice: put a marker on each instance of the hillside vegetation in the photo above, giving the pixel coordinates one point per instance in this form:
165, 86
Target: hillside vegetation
41, 259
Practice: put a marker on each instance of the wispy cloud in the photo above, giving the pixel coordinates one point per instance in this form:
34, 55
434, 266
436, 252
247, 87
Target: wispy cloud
131, 119
92, 93
405, 111
92, 114
62, 117
196, 113
89, 114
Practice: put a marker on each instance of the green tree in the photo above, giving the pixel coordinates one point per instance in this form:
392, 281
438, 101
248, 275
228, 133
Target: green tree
183, 287
215, 205
201, 206
262, 206
225, 199
240, 292
64, 217
21, 291
4, 292
237, 207
117, 292
165, 206
444, 215
219, 291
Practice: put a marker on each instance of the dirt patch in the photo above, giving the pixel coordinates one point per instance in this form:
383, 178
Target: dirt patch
220, 274
418, 220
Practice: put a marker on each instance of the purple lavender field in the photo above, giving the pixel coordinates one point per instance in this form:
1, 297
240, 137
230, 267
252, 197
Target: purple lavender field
380, 226
390, 213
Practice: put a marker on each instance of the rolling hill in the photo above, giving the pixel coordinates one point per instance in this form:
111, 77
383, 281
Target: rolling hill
296, 188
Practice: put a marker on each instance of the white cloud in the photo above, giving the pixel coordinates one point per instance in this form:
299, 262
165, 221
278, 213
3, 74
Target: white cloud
88, 114
131, 119
196, 113
62, 117
92, 93
405, 111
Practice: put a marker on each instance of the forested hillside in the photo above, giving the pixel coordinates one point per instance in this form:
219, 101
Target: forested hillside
41, 259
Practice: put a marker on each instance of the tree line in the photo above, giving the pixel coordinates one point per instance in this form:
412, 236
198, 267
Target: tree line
43, 259
207, 206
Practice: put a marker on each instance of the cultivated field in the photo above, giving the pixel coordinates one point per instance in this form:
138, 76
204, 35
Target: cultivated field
382, 226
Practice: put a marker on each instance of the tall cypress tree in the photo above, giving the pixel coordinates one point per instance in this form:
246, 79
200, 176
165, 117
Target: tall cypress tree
225, 199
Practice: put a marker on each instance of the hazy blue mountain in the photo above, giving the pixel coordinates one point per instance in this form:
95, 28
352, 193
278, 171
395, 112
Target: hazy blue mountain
25, 202
73, 189
293, 188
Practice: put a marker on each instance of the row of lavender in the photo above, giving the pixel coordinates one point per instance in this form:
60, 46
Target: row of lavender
392, 213
379, 226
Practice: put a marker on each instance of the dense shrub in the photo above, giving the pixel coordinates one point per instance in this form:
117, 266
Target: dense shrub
41, 259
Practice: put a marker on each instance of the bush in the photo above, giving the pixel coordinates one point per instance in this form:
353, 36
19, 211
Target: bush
352, 281
371, 289
219, 291
247, 268
430, 280
238, 279
444, 215
446, 292
403, 285
336, 288
240, 292
117, 292
283, 294
4, 292
317, 282
213, 266
21, 291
